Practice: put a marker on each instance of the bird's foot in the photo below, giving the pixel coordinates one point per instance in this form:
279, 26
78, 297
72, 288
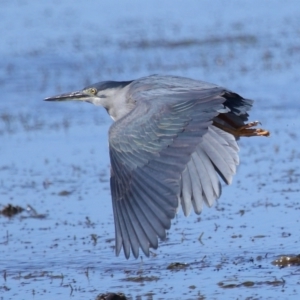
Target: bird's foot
248, 130
245, 130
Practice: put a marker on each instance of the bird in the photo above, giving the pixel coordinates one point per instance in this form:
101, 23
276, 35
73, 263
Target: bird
172, 140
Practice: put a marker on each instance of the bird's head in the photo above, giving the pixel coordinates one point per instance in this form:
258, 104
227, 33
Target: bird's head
109, 94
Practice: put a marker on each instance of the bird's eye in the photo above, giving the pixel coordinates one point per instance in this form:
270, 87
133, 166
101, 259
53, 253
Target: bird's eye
93, 91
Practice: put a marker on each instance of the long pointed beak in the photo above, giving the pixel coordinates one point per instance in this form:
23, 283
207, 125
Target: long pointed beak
69, 97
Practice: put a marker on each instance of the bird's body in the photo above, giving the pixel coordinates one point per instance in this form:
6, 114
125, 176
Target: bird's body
172, 137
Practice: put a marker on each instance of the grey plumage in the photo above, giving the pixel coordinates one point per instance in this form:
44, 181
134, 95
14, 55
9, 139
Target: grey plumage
172, 137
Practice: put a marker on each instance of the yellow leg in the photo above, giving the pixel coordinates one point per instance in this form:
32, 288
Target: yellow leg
245, 130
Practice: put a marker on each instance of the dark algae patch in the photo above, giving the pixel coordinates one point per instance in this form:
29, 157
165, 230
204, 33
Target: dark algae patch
11, 210
287, 261
232, 285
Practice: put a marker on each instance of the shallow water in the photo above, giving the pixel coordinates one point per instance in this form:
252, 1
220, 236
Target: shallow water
54, 156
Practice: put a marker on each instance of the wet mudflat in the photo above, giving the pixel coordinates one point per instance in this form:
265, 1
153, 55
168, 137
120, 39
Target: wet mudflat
54, 156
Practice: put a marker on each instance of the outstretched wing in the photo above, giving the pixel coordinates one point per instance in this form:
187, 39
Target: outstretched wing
149, 150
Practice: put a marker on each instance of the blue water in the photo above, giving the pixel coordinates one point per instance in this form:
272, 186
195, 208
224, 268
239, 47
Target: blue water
48, 149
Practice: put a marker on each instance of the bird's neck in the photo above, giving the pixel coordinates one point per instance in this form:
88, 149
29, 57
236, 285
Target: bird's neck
118, 104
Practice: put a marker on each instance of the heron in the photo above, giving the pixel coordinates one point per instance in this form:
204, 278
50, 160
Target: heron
172, 141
